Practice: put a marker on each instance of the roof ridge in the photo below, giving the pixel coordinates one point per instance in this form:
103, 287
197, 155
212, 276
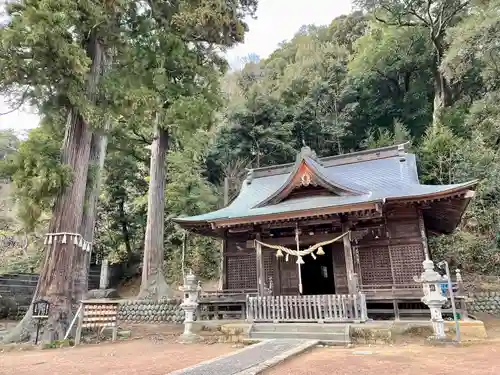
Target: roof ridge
329, 161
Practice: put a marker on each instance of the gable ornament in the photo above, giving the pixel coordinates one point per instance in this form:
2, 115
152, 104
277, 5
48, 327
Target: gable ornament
305, 179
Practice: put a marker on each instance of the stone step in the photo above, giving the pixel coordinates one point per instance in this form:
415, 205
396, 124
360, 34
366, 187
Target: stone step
330, 338
300, 327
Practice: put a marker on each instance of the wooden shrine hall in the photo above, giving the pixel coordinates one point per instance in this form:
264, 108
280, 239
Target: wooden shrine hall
333, 232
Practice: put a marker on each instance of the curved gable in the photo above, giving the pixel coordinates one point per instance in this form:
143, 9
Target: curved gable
308, 174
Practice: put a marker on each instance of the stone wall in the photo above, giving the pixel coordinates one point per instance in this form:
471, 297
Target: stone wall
144, 311
484, 302
16, 291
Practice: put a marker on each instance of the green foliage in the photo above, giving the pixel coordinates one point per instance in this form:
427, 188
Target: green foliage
37, 174
188, 193
381, 137
366, 80
9, 142
474, 45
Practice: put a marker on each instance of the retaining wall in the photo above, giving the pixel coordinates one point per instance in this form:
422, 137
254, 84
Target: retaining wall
144, 311
484, 302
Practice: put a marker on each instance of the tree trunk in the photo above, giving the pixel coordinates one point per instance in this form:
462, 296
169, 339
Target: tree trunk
153, 284
82, 258
55, 282
96, 164
124, 226
442, 91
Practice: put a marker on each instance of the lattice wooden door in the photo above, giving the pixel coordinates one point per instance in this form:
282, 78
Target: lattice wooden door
241, 271
406, 262
375, 265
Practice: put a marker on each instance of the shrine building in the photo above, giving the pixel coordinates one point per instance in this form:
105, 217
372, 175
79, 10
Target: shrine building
352, 224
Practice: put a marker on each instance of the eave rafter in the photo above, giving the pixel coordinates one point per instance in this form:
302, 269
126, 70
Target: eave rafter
368, 210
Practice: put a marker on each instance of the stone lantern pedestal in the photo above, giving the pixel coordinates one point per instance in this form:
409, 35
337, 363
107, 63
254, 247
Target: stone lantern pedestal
191, 290
433, 297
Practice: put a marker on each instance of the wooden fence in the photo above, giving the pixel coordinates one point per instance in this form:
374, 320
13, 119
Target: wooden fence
319, 308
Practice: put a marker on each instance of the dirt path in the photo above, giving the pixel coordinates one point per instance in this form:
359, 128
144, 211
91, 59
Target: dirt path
144, 357
483, 359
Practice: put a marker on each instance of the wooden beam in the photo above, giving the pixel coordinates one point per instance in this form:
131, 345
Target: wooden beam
349, 263
294, 215
260, 266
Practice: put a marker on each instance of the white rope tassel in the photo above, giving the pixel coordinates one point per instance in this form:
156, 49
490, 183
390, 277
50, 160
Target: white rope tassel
305, 252
65, 237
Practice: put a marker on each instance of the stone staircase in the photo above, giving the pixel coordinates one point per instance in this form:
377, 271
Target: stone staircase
16, 291
331, 334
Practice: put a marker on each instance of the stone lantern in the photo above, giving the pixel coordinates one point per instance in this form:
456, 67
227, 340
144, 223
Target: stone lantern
433, 296
191, 289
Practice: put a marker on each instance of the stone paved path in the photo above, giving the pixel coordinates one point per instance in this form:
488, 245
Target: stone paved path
245, 359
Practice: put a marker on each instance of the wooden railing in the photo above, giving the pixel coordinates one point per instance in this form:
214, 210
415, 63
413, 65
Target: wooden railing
223, 304
409, 290
319, 308
226, 293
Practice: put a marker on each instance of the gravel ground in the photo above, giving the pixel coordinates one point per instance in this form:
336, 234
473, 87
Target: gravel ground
144, 357
479, 359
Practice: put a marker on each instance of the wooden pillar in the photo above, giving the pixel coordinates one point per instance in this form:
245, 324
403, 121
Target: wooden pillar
349, 263
222, 270
260, 267
423, 234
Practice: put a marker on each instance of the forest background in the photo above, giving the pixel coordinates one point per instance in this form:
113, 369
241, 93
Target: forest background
424, 71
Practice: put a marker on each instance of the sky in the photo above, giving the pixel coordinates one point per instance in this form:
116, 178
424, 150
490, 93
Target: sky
277, 21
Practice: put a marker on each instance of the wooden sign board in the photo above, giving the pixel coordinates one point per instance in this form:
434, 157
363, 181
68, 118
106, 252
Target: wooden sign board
97, 314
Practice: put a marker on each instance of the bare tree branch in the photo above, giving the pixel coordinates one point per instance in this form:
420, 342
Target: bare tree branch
19, 105
453, 13
141, 137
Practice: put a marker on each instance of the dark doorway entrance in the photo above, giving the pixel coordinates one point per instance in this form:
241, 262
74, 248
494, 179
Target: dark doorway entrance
317, 274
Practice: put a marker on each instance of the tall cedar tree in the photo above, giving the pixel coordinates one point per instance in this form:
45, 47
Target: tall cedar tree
179, 62
55, 51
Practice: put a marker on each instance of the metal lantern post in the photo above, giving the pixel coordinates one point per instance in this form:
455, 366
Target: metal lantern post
444, 264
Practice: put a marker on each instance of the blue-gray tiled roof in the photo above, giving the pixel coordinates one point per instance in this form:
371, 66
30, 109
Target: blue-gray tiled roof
379, 180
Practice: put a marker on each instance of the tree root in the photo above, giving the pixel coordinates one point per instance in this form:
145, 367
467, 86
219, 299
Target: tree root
23, 332
155, 288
